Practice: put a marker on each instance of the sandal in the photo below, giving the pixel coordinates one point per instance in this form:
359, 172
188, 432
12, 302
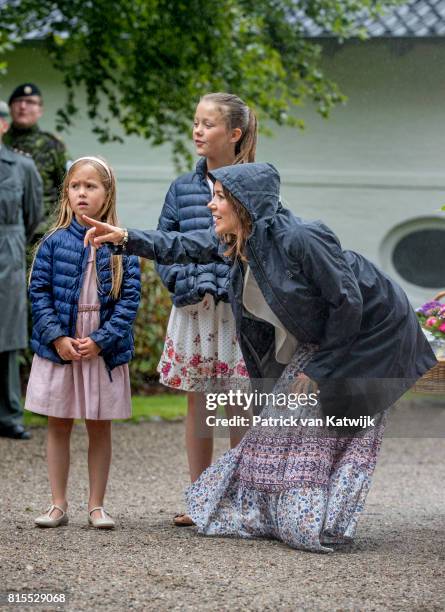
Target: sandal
182, 520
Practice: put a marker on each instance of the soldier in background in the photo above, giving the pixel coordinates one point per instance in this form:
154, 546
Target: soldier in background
21, 210
48, 152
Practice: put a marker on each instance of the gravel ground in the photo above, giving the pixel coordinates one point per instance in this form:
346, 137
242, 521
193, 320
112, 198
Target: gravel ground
396, 562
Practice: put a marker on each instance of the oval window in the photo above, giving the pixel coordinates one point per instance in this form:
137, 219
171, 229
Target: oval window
419, 258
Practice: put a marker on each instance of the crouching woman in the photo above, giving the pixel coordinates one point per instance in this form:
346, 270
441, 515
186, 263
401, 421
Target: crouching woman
306, 312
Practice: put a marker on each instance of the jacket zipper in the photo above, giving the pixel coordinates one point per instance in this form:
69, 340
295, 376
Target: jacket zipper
74, 306
100, 294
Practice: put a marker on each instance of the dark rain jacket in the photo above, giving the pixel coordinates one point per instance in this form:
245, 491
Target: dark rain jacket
185, 210
21, 209
55, 287
370, 345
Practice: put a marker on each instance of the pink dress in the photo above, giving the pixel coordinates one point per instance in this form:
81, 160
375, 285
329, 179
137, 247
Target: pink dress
80, 389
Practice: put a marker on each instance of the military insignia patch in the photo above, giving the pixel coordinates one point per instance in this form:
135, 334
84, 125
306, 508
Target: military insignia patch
27, 90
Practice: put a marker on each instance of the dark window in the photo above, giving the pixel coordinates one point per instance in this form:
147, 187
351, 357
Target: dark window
419, 258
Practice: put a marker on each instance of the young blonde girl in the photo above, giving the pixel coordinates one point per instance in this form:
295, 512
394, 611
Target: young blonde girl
83, 305
201, 349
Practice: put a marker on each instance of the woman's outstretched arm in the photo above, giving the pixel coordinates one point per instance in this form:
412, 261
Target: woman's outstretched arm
163, 247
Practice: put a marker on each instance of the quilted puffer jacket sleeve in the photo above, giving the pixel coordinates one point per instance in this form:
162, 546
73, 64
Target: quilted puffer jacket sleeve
121, 321
169, 222
44, 315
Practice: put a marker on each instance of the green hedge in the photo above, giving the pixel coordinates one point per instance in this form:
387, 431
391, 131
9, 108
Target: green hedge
149, 332
149, 329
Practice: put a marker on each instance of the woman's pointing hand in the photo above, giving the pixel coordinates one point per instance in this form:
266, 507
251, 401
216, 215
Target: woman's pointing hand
102, 232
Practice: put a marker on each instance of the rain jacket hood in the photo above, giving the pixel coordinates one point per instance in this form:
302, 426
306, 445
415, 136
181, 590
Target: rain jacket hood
256, 186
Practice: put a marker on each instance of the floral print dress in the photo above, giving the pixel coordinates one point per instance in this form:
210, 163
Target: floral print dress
201, 349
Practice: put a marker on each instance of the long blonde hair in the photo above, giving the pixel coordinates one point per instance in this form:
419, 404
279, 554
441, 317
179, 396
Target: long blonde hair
108, 214
237, 114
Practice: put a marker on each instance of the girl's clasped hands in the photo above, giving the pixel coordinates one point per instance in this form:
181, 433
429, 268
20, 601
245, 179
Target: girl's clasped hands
76, 348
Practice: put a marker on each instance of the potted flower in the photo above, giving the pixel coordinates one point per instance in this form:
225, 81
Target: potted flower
432, 319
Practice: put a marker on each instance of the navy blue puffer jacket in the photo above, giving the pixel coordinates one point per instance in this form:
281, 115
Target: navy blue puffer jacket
55, 287
185, 210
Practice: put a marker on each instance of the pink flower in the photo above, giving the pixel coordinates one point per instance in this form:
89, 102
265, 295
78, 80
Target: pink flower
442, 328
221, 367
166, 368
241, 370
431, 322
195, 360
175, 381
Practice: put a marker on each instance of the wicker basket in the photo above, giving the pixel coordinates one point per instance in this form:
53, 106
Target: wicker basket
434, 380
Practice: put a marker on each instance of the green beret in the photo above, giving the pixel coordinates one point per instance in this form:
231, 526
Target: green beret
27, 89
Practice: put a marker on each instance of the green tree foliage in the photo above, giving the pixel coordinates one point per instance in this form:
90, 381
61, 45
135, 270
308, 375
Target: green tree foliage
146, 62
149, 328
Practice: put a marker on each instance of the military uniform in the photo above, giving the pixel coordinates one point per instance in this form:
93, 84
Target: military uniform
21, 210
50, 156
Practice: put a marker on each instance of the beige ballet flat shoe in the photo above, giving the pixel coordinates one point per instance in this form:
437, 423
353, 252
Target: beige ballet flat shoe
45, 520
104, 522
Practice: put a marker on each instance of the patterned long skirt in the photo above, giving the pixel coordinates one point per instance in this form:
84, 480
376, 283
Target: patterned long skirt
304, 486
